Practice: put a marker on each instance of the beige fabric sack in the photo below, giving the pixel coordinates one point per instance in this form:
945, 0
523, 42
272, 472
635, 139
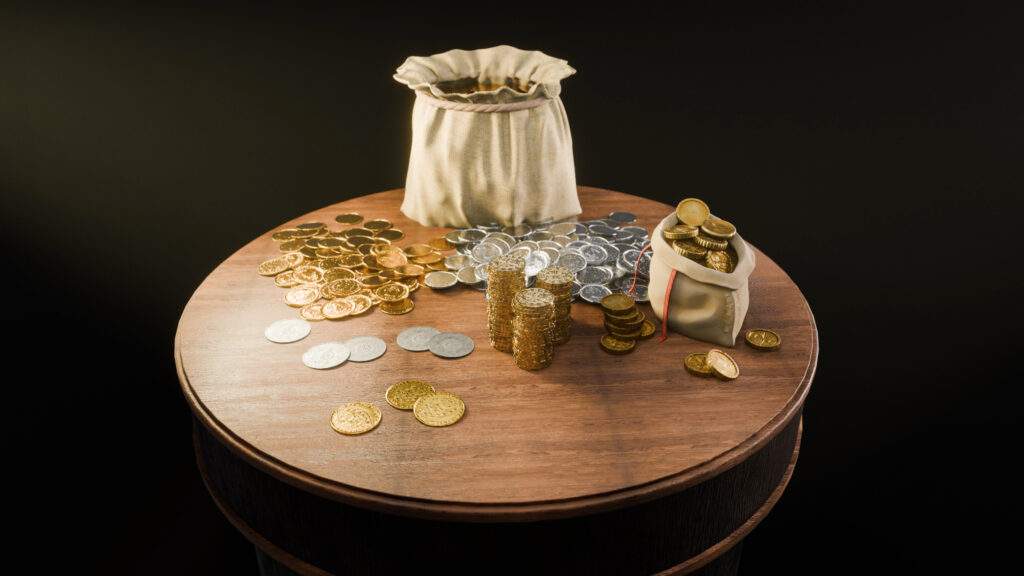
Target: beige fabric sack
490, 139
703, 304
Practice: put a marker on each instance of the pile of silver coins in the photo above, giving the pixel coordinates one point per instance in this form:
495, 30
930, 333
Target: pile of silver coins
602, 254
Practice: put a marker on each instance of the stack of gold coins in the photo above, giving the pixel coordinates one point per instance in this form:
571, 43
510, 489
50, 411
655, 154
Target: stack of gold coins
558, 280
532, 344
702, 237
624, 324
505, 278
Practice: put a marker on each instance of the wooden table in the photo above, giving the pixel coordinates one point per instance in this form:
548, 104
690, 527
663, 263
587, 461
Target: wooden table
597, 464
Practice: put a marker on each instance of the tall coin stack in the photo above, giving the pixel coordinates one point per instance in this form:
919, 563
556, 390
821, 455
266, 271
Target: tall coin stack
532, 344
558, 280
505, 278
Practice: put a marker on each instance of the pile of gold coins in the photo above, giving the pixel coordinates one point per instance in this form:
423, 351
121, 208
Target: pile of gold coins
505, 278
558, 281
335, 274
532, 343
624, 324
702, 237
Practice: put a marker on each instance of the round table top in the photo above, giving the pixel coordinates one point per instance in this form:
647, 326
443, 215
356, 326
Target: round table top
590, 432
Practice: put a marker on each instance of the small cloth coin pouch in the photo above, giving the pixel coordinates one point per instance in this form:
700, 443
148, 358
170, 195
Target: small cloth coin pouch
490, 139
696, 301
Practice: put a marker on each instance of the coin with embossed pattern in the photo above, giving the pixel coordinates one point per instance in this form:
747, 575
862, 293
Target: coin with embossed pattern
763, 339
439, 409
451, 345
326, 355
355, 418
286, 331
366, 348
403, 395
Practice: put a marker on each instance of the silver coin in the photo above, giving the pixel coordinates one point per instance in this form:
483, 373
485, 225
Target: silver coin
326, 355
481, 271
600, 240
290, 330
518, 231
440, 279
622, 217
551, 252
574, 261
486, 251
527, 244
539, 235
576, 290
457, 262
536, 262
503, 239
455, 237
593, 293
467, 275
472, 235
521, 251
639, 292
602, 230
613, 254
451, 345
634, 230
562, 240
548, 244
366, 348
576, 245
562, 228
594, 275
594, 254
417, 338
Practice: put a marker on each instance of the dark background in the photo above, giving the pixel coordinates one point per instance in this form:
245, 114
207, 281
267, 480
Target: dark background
874, 153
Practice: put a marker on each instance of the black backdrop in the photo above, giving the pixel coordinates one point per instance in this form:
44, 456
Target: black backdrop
875, 155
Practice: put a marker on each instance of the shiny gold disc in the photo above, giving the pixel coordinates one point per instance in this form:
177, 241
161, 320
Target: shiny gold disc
763, 339
355, 418
613, 345
439, 409
348, 218
692, 212
718, 228
301, 295
337, 308
312, 312
722, 365
403, 395
697, 363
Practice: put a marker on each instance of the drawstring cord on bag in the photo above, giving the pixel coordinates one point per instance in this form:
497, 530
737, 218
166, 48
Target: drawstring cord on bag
668, 291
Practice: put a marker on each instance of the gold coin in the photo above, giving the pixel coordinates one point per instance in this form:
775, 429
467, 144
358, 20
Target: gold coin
647, 330
355, 418
392, 257
302, 295
338, 274
374, 281
722, 365
359, 240
332, 243
377, 225
292, 245
719, 260
309, 274
440, 244
613, 345
617, 302
394, 292
337, 308
286, 279
397, 308
418, 250
282, 235
403, 395
310, 226
623, 334
711, 243
391, 234
697, 363
303, 233
692, 212
718, 228
348, 218
360, 303
431, 258
312, 311
273, 267
439, 409
763, 339
680, 232
294, 259
350, 260
343, 287
410, 270
691, 251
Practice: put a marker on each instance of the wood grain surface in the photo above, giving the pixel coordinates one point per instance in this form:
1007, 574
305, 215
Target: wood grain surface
591, 432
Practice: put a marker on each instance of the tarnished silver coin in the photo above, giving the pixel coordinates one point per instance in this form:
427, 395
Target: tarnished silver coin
290, 330
365, 348
562, 228
594, 254
439, 279
486, 251
640, 292
574, 261
594, 275
539, 235
622, 217
467, 275
451, 345
635, 231
472, 235
593, 293
417, 338
326, 355
561, 240
457, 262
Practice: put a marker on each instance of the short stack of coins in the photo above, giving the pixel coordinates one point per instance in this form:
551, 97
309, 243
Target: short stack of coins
623, 322
558, 280
505, 278
532, 344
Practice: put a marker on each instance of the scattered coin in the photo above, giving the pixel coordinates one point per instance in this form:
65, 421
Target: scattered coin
417, 338
697, 363
285, 331
355, 418
439, 280
722, 365
326, 355
614, 345
403, 395
763, 339
348, 218
468, 275
439, 409
450, 345
365, 348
